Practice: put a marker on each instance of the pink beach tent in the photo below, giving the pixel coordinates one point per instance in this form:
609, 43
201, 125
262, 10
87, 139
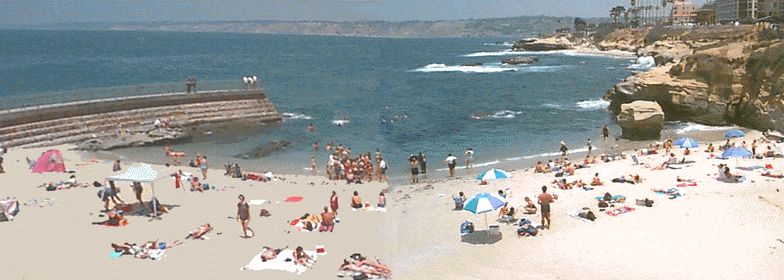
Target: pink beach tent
50, 161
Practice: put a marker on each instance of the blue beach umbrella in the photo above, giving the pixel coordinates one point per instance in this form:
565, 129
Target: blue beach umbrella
686, 142
494, 174
736, 152
483, 203
732, 133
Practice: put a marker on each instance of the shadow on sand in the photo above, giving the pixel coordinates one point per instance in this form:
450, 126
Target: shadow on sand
481, 237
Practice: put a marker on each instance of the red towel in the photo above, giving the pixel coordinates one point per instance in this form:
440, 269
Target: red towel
294, 199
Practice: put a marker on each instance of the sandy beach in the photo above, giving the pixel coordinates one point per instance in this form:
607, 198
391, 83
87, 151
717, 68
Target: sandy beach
716, 230
56, 240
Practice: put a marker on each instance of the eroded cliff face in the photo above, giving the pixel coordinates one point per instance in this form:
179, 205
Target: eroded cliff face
713, 77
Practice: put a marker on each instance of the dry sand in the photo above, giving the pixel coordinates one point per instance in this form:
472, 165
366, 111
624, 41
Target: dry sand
59, 241
716, 231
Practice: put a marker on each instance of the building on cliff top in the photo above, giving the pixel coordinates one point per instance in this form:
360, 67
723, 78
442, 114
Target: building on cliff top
747, 10
683, 12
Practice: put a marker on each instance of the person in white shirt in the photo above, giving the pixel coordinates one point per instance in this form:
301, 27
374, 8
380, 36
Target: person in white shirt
451, 162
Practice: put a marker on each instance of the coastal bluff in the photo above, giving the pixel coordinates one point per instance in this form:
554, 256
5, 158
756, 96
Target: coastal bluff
715, 75
76, 122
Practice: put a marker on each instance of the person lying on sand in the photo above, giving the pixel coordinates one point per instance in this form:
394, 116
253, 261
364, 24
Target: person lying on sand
367, 270
732, 177
116, 218
562, 184
199, 232
268, 253
772, 175
684, 180
530, 207
374, 264
301, 258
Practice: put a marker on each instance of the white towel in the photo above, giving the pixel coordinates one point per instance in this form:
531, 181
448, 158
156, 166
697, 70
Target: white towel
257, 201
279, 263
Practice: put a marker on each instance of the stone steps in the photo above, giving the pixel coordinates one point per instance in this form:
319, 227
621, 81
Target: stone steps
80, 128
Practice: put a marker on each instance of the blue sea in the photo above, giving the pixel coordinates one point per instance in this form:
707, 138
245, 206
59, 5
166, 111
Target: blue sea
402, 96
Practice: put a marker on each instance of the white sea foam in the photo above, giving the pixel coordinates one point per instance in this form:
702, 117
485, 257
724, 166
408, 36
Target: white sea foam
481, 164
438, 67
506, 44
506, 114
593, 104
689, 127
552, 106
295, 116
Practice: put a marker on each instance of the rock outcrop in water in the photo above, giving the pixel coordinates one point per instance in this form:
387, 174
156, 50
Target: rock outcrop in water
134, 138
712, 75
641, 120
264, 150
517, 60
552, 43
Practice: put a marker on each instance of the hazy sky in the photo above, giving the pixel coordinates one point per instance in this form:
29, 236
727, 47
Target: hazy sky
22, 12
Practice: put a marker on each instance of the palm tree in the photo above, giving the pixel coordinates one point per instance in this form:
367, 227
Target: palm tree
616, 12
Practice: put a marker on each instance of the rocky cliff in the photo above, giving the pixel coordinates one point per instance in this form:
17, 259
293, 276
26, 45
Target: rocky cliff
712, 75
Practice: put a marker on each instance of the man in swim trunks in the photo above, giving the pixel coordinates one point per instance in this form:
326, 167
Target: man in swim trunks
544, 200
451, 162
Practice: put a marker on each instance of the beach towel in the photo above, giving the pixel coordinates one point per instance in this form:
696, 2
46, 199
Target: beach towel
615, 198
279, 263
294, 199
671, 193
683, 185
750, 168
619, 211
257, 201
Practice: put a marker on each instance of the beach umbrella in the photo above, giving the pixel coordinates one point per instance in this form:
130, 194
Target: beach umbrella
686, 142
736, 152
494, 174
483, 203
732, 133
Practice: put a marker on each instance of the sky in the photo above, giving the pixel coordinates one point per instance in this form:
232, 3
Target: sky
32, 12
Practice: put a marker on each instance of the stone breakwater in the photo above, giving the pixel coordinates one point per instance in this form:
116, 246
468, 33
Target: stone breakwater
81, 121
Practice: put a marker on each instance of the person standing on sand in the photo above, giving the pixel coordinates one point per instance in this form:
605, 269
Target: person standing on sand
605, 133
116, 167
137, 190
243, 216
414, 164
469, 154
451, 162
588, 143
563, 149
333, 202
178, 179
382, 169
544, 200
422, 163
203, 166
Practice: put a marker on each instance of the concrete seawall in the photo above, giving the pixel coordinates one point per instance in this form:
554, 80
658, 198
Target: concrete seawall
78, 121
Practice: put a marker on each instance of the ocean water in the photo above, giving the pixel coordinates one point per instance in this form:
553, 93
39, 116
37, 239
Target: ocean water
401, 96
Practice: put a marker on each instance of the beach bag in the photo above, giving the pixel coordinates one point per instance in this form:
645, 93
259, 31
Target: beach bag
603, 204
524, 221
205, 186
607, 197
648, 203
264, 213
360, 276
51, 188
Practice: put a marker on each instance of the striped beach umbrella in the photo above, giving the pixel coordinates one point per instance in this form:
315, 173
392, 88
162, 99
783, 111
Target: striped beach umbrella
686, 142
493, 174
483, 203
733, 133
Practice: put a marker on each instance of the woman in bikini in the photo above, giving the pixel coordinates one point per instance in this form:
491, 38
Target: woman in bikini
301, 258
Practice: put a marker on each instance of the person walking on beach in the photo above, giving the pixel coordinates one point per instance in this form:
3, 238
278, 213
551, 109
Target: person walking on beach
605, 133
333, 202
243, 216
116, 167
451, 162
203, 166
544, 200
469, 157
422, 163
